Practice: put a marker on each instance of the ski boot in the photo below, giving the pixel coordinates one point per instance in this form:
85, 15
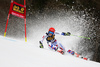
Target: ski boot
61, 51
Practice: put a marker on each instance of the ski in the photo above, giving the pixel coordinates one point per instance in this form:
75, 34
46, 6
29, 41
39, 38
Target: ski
76, 54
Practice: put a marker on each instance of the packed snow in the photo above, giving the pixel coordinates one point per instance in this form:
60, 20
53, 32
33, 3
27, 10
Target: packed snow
15, 53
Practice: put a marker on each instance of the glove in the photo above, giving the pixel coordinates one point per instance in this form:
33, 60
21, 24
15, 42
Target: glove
66, 34
41, 45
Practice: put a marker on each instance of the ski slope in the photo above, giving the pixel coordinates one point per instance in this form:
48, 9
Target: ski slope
14, 53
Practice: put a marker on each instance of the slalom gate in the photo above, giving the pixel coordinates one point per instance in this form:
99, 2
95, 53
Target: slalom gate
18, 10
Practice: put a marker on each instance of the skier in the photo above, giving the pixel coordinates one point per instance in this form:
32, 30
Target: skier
52, 42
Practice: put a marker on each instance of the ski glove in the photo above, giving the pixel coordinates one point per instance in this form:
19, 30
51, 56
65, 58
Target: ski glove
66, 34
41, 45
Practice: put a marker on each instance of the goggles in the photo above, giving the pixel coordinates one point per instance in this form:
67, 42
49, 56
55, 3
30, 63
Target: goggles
51, 32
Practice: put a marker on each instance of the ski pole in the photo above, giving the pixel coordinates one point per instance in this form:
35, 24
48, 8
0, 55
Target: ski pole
81, 36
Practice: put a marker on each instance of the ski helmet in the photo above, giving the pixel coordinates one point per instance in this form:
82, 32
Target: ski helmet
51, 30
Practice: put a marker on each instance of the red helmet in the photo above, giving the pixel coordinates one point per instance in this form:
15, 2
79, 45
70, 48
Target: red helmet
52, 29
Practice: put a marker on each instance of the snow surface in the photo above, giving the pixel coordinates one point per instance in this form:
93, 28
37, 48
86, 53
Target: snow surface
14, 53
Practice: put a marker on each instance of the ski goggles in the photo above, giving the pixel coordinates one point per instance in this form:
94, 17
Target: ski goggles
51, 32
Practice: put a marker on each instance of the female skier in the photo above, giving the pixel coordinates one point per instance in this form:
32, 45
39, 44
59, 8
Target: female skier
52, 42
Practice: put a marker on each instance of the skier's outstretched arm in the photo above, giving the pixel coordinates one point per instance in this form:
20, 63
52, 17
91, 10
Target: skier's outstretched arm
41, 42
63, 33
